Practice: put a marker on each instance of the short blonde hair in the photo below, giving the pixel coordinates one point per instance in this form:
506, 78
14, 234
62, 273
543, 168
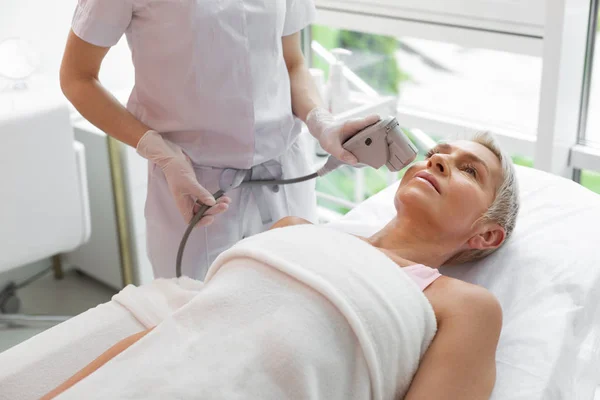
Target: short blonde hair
505, 207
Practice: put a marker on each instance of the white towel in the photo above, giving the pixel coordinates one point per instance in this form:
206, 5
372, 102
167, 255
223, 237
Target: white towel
303, 312
152, 303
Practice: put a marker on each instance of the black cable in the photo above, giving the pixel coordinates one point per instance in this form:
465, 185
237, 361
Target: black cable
197, 217
280, 181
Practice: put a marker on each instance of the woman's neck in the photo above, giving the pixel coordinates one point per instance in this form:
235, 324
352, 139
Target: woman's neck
409, 242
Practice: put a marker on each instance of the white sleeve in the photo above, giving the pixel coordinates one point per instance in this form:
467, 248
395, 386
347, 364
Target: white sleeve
298, 15
102, 22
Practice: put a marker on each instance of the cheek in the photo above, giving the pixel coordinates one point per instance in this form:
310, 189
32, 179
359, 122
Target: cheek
466, 203
397, 199
411, 171
402, 189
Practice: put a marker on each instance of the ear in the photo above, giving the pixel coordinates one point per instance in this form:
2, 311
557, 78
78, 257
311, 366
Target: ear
490, 236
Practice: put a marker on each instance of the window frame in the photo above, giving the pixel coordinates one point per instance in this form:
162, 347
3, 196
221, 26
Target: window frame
589, 68
350, 19
523, 18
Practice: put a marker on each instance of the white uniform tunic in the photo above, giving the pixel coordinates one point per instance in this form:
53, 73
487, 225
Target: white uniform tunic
210, 76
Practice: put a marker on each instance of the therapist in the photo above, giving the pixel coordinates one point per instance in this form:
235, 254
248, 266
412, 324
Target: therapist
220, 86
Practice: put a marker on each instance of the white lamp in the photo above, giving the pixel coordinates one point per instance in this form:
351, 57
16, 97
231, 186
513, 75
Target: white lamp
18, 61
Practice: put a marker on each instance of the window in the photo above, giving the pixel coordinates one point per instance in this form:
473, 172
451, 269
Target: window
586, 156
590, 136
446, 89
454, 85
373, 61
480, 88
523, 161
590, 180
373, 57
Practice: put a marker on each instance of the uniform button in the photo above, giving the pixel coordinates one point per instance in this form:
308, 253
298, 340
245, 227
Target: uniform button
275, 188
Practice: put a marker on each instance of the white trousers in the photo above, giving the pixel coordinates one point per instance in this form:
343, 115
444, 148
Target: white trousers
253, 209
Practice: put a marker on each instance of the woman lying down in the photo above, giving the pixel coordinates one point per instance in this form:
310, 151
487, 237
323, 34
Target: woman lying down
307, 312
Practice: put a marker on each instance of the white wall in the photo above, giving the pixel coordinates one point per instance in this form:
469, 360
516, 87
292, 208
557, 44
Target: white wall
45, 24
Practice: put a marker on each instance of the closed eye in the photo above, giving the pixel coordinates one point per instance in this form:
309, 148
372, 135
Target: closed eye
431, 152
469, 169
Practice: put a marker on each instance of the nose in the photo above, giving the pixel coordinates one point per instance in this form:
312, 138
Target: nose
437, 163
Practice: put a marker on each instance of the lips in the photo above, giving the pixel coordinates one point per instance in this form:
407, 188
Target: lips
429, 178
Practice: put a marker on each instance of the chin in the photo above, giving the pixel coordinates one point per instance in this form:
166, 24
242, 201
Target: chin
414, 201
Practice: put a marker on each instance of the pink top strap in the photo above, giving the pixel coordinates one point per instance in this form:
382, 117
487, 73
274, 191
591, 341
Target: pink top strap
422, 275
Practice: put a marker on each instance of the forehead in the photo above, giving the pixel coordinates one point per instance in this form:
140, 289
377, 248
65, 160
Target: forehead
477, 149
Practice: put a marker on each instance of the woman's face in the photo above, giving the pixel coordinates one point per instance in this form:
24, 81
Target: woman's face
450, 190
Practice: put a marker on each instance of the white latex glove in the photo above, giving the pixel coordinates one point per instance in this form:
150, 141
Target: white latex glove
331, 134
181, 178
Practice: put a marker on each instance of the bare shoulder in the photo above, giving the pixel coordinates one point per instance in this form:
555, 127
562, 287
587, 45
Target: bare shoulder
290, 221
453, 298
460, 363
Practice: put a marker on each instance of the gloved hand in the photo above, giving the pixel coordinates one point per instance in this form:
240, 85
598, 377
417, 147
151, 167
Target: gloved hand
181, 178
331, 134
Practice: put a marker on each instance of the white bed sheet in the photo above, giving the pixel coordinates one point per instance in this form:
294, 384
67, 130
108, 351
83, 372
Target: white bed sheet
560, 329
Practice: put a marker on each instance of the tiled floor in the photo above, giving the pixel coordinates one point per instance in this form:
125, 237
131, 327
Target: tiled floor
47, 296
